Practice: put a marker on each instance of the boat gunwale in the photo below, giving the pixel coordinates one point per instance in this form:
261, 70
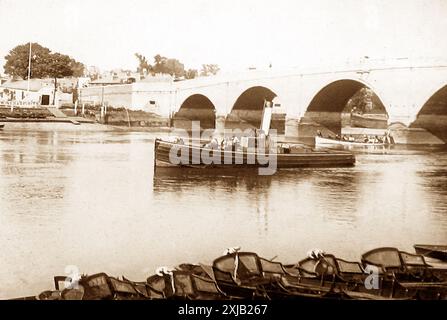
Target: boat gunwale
312, 152
349, 143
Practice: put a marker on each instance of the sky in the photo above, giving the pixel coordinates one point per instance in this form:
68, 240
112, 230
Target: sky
233, 34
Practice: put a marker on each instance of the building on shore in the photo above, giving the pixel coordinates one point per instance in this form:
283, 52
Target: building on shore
41, 91
151, 94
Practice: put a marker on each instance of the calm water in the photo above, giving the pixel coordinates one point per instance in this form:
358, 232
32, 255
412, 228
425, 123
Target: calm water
75, 195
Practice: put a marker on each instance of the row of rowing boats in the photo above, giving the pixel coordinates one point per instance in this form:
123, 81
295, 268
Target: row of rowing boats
382, 274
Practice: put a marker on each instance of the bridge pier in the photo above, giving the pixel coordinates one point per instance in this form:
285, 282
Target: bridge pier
219, 125
292, 127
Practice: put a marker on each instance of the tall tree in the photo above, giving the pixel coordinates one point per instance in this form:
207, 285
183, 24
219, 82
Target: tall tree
160, 64
58, 66
143, 64
77, 67
17, 61
191, 74
209, 69
44, 63
175, 68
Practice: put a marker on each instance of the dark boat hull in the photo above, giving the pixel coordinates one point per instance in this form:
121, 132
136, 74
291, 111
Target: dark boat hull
432, 251
239, 159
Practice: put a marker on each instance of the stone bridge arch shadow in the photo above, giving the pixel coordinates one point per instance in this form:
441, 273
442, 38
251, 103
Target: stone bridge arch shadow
248, 108
344, 103
196, 107
433, 115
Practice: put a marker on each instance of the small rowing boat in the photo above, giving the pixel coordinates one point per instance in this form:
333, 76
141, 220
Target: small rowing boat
377, 121
432, 251
320, 141
2, 126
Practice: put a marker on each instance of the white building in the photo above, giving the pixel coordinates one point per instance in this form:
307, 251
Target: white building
41, 91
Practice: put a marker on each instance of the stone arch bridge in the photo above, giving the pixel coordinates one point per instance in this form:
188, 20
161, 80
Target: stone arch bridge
411, 93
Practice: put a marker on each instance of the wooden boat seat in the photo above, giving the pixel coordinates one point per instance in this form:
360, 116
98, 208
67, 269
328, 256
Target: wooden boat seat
156, 287
247, 265
97, 287
206, 288
388, 259
183, 285
271, 269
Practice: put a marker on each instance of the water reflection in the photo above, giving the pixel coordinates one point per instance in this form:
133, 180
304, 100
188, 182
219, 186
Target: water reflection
91, 198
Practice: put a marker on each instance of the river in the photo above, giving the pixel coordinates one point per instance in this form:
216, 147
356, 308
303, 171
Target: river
81, 197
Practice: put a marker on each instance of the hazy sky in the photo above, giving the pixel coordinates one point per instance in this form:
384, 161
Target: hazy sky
233, 34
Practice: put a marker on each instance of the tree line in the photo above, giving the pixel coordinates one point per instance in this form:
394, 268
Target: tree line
173, 67
45, 63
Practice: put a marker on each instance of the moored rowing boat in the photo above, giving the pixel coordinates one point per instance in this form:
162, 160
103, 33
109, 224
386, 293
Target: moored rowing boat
432, 251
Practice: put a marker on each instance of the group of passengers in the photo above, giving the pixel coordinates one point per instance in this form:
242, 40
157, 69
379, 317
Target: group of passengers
227, 143
365, 139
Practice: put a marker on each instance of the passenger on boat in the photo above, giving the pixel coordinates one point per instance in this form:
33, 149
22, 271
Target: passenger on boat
236, 143
319, 133
214, 144
351, 138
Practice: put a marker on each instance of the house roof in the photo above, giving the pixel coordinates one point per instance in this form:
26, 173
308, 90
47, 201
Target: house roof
34, 84
37, 84
107, 81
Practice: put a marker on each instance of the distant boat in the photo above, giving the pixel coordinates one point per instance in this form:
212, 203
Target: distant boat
374, 121
320, 141
432, 251
2, 126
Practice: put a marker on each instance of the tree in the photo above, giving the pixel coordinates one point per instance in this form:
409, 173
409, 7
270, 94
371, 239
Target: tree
78, 68
209, 69
44, 63
58, 66
175, 67
17, 61
143, 64
160, 64
191, 74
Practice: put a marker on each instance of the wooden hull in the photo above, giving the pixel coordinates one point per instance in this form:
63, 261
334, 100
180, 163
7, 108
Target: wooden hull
319, 141
369, 121
239, 159
432, 251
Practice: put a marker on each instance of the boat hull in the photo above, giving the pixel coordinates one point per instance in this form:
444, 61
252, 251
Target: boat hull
432, 251
369, 121
319, 141
239, 159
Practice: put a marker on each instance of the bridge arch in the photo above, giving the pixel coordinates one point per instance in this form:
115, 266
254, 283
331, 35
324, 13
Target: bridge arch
247, 109
196, 107
338, 103
433, 114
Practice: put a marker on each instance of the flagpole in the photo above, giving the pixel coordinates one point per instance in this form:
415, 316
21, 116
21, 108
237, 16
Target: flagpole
29, 66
